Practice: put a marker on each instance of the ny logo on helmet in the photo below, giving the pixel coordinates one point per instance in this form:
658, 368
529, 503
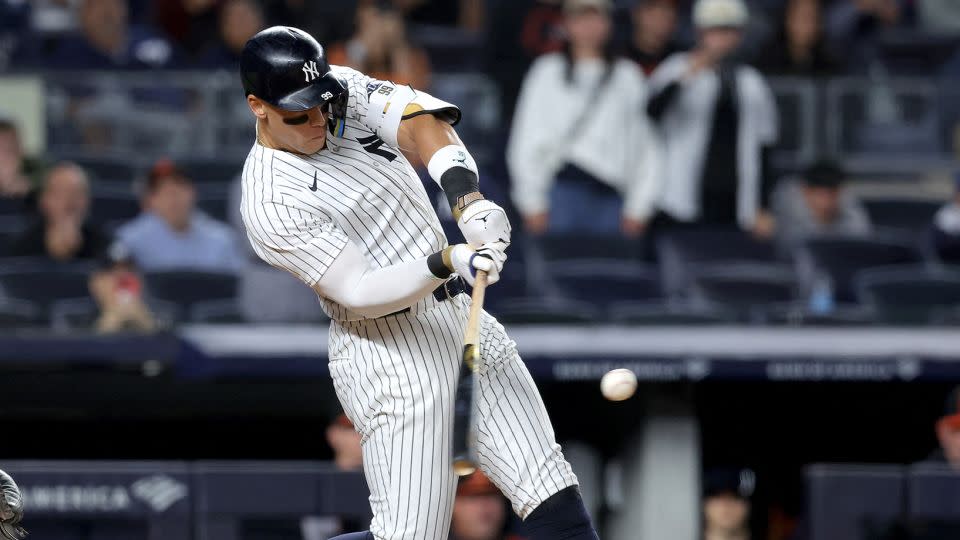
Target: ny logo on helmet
310, 71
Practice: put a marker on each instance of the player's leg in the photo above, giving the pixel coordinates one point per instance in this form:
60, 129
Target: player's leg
517, 446
397, 389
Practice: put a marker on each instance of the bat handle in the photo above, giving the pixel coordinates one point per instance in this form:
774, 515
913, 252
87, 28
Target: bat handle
472, 335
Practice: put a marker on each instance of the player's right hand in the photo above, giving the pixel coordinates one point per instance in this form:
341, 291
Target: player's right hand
488, 257
11, 509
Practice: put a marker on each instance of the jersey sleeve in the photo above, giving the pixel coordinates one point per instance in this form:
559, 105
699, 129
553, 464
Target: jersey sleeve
380, 106
302, 243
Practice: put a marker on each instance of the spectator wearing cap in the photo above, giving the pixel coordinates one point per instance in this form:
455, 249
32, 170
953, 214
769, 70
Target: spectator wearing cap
654, 33
479, 511
718, 122
581, 154
62, 232
171, 234
799, 48
817, 204
948, 433
946, 228
117, 288
726, 503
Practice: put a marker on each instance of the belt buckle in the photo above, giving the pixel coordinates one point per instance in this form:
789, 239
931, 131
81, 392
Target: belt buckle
446, 287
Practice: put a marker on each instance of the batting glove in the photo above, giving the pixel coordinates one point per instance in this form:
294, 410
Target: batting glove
484, 222
465, 261
11, 509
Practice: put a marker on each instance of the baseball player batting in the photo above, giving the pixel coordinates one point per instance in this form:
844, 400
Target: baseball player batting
329, 197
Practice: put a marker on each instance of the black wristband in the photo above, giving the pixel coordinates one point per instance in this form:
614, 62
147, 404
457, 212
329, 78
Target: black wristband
437, 266
457, 182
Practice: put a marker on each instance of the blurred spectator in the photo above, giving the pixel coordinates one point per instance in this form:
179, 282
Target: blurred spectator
726, 503
188, 23
345, 442
817, 204
946, 229
380, 49
62, 231
718, 120
118, 290
581, 152
939, 15
171, 234
654, 29
948, 433
239, 21
14, 182
106, 41
853, 27
465, 14
479, 511
799, 48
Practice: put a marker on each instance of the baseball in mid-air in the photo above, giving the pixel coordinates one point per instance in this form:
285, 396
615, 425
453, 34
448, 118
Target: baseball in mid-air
618, 384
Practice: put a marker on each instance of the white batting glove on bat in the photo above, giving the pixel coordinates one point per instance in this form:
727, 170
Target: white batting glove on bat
465, 261
484, 222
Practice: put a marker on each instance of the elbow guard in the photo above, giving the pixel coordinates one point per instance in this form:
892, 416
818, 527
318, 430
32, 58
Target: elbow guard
390, 104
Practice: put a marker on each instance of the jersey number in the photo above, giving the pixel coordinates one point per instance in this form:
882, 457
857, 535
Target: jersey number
372, 144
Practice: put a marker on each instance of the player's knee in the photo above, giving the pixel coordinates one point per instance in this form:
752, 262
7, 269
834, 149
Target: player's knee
363, 535
561, 517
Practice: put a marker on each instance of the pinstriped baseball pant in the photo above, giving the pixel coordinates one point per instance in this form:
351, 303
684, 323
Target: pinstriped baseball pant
396, 378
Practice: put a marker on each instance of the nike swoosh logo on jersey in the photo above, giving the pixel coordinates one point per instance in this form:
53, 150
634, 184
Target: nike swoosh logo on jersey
314, 186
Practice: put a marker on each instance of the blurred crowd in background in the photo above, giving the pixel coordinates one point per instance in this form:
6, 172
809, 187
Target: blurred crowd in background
628, 136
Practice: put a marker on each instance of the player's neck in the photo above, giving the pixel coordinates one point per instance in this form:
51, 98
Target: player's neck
266, 140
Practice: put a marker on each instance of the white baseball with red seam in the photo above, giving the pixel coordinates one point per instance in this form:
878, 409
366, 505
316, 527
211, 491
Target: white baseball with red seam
618, 384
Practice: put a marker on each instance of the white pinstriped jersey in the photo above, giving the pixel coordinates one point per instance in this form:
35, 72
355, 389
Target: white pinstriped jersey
301, 210
395, 376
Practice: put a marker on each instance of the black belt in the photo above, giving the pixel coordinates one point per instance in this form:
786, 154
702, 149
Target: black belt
446, 291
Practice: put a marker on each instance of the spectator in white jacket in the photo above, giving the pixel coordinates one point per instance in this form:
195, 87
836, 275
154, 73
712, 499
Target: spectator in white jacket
582, 154
718, 122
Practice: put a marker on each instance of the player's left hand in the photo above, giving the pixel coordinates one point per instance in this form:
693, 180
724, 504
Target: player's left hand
485, 222
466, 261
11, 509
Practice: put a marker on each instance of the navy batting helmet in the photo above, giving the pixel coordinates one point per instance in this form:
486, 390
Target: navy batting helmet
288, 69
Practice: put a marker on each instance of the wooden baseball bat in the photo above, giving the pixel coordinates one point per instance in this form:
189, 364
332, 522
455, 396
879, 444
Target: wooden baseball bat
464, 432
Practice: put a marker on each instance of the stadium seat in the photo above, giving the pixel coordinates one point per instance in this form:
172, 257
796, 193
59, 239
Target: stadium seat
42, 282
602, 283
190, 290
907, 215
747, 289
545, 311
107, 169
840, 258
933, 492
847, 502
10, 229
18, 313
680, 252
112, 208
658, 313
210, 171
909, 294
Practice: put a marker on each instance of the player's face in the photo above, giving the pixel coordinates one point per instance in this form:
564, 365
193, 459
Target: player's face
478, 517
305, 131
